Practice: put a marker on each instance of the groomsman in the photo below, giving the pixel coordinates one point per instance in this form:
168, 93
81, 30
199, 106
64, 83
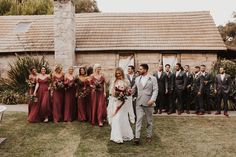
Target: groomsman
170, 87
179, 85
131, 78
222, 90
187, 90
162, 89
198, 83
207, 86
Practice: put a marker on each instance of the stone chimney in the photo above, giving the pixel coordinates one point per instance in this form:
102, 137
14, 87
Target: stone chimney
64, 32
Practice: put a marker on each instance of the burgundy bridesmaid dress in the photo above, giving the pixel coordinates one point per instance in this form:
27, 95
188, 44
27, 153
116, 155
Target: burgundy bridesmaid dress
98, 103
58, 101
70, 101
82, 101
44, 98
33, 107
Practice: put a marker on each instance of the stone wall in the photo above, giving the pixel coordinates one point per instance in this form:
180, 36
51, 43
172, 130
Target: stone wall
193, 59
110, 60
64, 32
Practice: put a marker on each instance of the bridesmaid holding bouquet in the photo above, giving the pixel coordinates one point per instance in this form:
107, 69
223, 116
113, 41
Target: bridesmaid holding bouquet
70, 99
58, 94
42, 93
84, 109
33, 108
98, 95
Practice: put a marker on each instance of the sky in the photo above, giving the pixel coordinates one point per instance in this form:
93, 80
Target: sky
221, 10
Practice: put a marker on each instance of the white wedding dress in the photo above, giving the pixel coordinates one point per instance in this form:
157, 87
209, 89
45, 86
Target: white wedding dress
120, 122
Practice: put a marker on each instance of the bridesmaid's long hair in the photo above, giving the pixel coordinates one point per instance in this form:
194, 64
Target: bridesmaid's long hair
119, 69
85, 72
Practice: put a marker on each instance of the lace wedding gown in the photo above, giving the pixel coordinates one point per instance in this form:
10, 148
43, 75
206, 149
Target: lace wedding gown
120, 122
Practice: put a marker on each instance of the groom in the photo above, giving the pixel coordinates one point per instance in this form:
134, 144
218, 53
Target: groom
147, 88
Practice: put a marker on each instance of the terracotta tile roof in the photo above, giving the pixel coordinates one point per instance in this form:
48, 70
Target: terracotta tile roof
117, 31
38, 37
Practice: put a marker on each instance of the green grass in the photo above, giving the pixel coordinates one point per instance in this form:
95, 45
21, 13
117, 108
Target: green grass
173, 137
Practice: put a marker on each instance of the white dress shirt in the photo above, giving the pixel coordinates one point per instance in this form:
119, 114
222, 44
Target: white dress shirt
131, 77
177, 73
144, 80
222, 76
196, 75
159, 74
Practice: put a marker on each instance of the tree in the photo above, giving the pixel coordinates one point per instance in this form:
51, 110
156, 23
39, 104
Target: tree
42, 7
86, 6
228, 32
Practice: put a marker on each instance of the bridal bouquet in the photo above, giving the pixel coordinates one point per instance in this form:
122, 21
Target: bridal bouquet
121, 94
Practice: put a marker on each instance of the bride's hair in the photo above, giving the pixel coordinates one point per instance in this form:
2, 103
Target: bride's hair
119, 69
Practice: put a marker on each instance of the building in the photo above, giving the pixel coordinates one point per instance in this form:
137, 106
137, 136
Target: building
112, 39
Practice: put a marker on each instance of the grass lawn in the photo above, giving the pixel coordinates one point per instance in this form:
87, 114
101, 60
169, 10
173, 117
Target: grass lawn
173, 136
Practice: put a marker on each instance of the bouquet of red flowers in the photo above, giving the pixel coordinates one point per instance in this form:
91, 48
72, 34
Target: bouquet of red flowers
122, 95
59, 85
82, 89
31, 84
97, 86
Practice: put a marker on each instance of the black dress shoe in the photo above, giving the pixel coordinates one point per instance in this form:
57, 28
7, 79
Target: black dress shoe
137, 141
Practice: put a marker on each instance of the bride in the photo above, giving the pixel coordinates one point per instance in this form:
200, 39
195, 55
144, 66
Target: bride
120, 110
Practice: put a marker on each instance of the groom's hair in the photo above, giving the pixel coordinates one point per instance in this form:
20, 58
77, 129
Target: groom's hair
145, 66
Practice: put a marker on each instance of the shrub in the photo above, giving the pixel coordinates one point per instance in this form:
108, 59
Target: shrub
15, 84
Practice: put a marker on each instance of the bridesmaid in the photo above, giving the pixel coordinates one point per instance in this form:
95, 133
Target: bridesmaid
70, 92
57, 94
84, 107
42, 93
98, 95
33, 108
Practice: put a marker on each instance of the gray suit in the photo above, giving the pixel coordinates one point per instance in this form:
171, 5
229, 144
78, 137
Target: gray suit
145, 93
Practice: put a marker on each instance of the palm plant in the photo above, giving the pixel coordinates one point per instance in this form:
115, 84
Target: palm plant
19, 72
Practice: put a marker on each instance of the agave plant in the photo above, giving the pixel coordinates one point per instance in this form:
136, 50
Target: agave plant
19, 72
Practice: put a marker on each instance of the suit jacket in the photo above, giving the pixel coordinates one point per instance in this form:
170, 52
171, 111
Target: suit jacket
189, 80
208, 78
162, 82
198, 83
180, 81
147, 92
132, 82
223, 86
170, 81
